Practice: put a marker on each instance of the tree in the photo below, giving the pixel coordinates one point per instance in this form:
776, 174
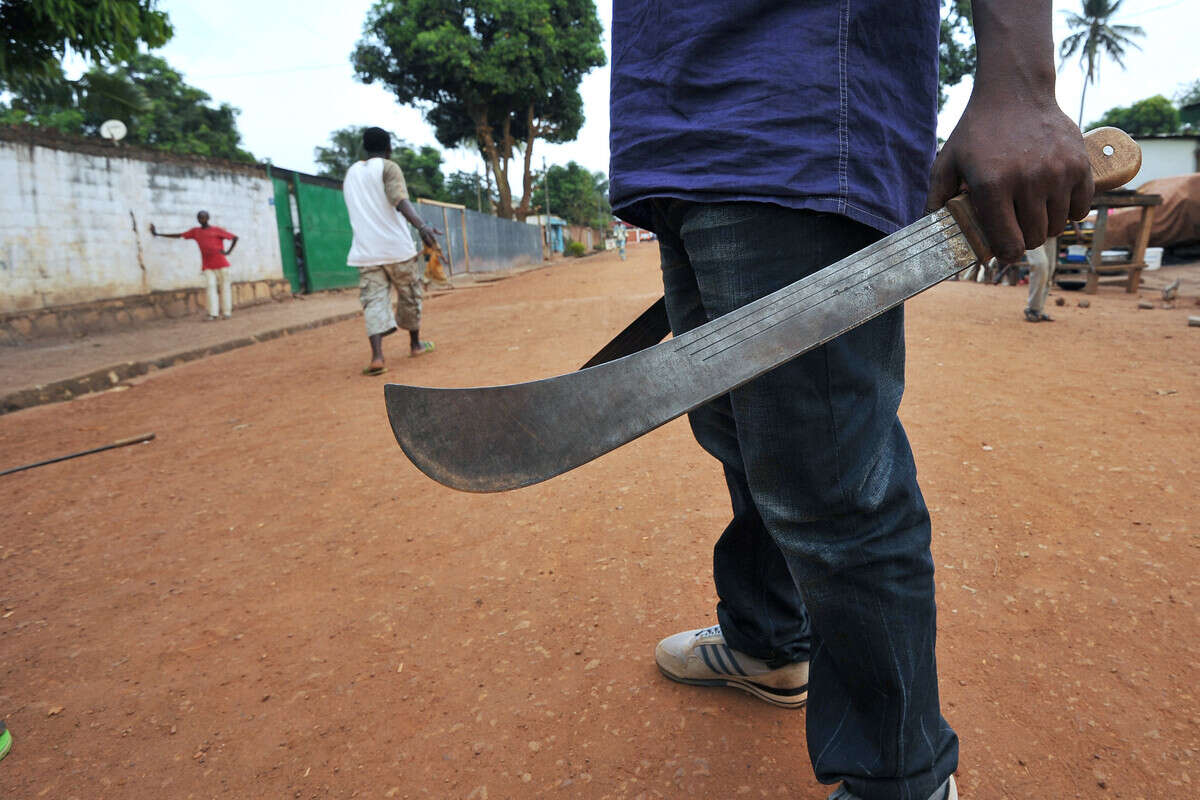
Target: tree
578, 196
1154, 115
159, 108
956, 58
499, 74
467, 189
345, 147
422, 168
181, 118
1188, 93
36, 36
422, 171
77, 106
1095, 37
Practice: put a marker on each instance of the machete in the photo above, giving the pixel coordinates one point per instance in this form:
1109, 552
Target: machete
494, 438
648, 329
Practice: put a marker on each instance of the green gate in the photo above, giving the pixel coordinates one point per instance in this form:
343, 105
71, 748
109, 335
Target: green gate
324, 232
287, 234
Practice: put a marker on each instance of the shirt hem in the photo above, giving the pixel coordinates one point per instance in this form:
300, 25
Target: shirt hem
634, 211
380, 262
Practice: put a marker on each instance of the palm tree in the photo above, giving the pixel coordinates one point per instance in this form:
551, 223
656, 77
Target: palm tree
1094, 37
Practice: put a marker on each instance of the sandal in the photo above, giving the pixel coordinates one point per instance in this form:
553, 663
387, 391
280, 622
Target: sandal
369, 370
426, 347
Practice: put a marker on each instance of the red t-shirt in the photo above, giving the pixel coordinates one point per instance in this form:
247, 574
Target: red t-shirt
210, 239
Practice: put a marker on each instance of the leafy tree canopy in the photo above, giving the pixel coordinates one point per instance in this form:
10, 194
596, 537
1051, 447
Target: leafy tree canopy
344, 148
1189, 93
422, 168
468, 189
1154, 115
35, 35
956, 46
578, 196
159, 108
498, 73
1094, 35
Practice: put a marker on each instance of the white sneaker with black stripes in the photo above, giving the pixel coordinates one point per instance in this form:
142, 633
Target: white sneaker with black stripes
701, 658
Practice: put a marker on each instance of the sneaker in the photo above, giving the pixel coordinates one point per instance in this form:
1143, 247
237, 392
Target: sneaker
951, 792
5, 740
701, 658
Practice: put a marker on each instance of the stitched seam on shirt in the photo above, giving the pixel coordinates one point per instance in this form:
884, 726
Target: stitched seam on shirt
865, 212
843, 105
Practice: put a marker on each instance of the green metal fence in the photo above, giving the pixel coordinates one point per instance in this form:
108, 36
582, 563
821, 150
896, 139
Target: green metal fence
287, 234
325, 233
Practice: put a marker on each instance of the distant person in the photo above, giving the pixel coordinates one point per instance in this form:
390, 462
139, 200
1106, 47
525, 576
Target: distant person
621, 235
213, 263
383, 249
1042, 263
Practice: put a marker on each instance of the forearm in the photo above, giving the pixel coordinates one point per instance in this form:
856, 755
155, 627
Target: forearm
1022, 160
1015, 49
232, 244
405, 207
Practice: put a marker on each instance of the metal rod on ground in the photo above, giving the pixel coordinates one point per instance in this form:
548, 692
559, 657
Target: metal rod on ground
145, 437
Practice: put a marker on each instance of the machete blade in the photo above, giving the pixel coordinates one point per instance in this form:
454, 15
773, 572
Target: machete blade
490, 439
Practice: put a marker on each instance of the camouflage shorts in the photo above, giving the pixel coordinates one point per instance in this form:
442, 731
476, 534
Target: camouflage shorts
375, 290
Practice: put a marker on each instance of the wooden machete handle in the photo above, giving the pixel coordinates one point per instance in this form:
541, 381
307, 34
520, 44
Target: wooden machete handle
1115, 159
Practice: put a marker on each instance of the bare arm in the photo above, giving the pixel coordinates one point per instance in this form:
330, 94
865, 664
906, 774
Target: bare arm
232, 244
427, 231
397, 193
153, 232
1020, 157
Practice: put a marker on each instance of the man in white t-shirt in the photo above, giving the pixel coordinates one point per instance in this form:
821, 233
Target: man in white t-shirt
383, 249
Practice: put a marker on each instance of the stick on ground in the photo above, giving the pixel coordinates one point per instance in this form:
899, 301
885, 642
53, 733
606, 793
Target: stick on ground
145, 437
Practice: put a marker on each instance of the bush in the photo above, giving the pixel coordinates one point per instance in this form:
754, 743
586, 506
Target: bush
576, 249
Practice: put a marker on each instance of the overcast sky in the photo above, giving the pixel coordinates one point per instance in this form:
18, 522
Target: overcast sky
286, 66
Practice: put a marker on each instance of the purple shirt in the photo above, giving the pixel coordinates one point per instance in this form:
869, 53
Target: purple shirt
828, 105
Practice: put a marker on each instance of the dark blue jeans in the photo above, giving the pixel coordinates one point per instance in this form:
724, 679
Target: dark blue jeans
827, 557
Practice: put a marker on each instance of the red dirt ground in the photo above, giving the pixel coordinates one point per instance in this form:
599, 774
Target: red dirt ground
270, 601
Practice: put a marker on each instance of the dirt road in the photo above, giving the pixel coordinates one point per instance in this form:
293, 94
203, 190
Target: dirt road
269, 601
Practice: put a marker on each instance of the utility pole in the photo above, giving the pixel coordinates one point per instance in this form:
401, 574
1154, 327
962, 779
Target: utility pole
546, 185
487, 173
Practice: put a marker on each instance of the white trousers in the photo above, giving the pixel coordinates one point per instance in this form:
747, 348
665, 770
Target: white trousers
221, 276
1042, 261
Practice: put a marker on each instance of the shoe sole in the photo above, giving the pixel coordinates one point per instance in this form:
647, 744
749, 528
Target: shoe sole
761, 691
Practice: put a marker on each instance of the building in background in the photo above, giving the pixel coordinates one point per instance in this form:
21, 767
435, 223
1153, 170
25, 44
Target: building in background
1167, 156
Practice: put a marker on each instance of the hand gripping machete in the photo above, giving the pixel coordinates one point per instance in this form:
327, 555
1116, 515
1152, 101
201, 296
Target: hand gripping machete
494, 438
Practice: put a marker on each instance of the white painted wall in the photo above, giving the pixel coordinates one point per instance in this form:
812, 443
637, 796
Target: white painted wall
67, 225
1165, 158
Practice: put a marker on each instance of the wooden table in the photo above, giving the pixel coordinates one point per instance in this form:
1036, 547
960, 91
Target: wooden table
1137, 259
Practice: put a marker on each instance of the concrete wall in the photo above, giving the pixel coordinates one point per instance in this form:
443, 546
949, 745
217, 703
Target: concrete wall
74, 224
1167, 157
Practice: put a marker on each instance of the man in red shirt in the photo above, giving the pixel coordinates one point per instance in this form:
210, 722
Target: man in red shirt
214, 264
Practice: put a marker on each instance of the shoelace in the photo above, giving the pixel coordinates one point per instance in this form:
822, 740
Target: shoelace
715, 630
